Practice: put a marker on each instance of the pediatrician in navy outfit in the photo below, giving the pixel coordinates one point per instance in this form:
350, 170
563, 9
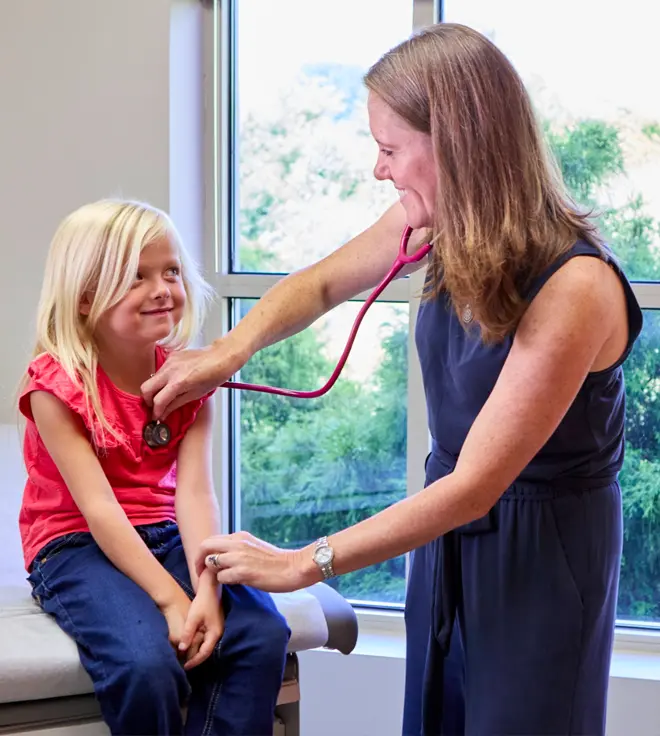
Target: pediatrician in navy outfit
525, 321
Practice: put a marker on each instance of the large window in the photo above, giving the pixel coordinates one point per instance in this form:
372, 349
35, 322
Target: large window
300, 183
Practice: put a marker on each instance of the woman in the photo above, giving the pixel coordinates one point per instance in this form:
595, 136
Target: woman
525, 322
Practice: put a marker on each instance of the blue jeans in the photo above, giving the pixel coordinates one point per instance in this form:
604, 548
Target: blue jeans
122, 639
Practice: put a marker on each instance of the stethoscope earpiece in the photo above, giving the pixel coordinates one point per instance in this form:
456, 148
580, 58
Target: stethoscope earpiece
156, 434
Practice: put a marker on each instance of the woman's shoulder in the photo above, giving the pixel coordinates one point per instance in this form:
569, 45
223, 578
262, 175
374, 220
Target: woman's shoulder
580, 258
590, 285
585, 273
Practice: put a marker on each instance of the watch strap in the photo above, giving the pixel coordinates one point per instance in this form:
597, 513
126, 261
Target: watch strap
327, 569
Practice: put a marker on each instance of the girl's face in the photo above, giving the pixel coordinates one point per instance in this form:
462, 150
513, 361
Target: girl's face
405, 157
153, 306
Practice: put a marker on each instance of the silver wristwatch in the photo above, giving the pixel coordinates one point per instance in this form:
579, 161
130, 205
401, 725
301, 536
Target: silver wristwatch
323, 557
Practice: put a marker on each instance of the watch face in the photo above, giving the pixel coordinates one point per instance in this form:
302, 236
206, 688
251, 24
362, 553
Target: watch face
323, 555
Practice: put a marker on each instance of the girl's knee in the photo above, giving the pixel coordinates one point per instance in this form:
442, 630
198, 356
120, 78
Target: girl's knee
151, 670
143, 691
274, 633
254, 619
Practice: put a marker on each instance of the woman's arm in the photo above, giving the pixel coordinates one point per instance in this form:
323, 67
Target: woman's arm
576, 324
287, 308
64, 437
197, 511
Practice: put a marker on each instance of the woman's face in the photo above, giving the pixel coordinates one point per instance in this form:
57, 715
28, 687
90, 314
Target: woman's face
405, 157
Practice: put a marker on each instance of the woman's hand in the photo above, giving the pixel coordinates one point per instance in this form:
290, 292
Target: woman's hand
204, 624
243, 559
190, 374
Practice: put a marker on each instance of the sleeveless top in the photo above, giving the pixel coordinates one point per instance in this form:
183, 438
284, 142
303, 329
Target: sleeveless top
460, 371
142, 478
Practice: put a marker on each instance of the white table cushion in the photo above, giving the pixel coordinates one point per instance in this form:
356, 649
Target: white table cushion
39, 660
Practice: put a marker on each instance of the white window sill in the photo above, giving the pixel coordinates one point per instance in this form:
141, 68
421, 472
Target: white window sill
636, 653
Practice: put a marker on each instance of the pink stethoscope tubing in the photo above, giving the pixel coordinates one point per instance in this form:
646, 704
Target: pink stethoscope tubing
402, 259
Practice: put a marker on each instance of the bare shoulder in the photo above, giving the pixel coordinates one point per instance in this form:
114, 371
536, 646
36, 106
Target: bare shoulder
584, 297
46, 407
585, 281
60, 428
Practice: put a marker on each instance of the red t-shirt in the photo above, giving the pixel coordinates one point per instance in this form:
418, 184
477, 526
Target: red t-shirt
143, 478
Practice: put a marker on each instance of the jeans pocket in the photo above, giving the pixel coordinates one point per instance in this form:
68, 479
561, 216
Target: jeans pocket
52, 549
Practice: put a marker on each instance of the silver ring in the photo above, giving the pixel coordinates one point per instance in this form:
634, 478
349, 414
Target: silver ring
213, 559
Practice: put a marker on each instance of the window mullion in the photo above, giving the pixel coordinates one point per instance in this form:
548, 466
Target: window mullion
253, 286
647, 294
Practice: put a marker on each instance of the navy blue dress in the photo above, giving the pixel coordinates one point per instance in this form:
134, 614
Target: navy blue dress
510, 618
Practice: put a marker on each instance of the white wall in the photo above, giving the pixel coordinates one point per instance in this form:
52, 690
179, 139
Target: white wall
85, 112
103, 97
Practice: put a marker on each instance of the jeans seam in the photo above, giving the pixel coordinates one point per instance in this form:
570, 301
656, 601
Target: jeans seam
186, 588
215, 694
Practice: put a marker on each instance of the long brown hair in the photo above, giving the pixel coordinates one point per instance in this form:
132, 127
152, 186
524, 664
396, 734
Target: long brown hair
502, 213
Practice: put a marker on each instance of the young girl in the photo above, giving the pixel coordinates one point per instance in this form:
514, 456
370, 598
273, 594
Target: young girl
115, 506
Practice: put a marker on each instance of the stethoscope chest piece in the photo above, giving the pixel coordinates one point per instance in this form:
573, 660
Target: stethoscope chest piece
156, 434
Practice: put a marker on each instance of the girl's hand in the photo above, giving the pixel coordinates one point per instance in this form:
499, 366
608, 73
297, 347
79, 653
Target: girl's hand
204, 624
175, 611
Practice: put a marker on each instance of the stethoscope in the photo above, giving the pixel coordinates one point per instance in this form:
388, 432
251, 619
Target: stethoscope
157, 433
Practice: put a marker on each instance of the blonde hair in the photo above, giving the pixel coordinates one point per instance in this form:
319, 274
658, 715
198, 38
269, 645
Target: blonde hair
502, 213
96, 249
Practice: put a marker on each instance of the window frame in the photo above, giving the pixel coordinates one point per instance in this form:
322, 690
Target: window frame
219, 46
